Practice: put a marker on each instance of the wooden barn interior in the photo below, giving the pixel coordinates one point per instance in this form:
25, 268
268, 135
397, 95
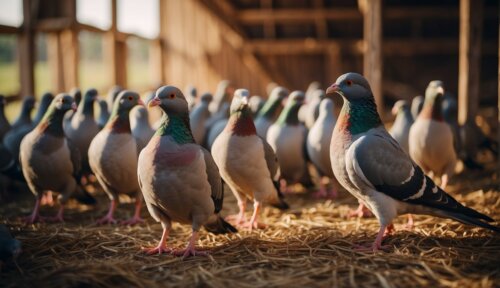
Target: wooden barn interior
398, 45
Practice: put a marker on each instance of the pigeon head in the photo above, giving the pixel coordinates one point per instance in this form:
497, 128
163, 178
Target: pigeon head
103, 105
86, 106
290, 114
434, 91
359, 111
240, 101
256, 103
351, 86
112, 94
77, 95
51, 122
326, 106
206, 98
62, 103
318, 94
400, 106
47, 98
125, 101
28, 104
278, 94
171, 100
90, 96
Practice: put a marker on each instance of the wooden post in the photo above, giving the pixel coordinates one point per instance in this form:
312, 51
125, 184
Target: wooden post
156, 62
269, 25
372, 62
54, 52
70, 57
469, 59
26, 44
498, 104
116, 50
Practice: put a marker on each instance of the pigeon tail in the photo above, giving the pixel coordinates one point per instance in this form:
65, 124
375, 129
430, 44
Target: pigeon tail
220, 226
471, 220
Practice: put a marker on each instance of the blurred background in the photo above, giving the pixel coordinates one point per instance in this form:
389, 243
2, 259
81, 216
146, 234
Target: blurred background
55, 45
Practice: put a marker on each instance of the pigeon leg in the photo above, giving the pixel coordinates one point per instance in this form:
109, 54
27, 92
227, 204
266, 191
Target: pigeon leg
35, 215
284, 187
136, 219
321, 193
377, 245
253, 223
444, 181
190, 248
162, 245
108, 219
360, 212
240, 217
333, 193
409, 225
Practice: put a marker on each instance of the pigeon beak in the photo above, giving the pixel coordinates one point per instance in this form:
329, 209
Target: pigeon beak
154, 102
394, 110
73, 106
140, 102
332, 90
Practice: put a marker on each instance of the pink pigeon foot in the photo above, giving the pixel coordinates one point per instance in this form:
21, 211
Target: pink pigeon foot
239, 218
360, 212
377, 245
109, 219
132, 221
162, 245
35, 215
284, 187
190, 249
253, 223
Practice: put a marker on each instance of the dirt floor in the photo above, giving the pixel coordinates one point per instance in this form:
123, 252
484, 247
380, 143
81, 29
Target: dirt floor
311, 244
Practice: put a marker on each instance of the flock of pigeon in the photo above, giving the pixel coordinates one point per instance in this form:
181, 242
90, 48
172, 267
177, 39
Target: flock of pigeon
259, 149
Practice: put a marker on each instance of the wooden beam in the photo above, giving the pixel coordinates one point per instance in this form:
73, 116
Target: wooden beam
27, 52
116, 50
4, 29
321, 24
372, 61
469, 59
54, 24
269, 25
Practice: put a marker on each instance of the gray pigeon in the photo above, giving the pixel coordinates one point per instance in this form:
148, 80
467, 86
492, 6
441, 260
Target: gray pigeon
83, 127
222, 94
311, 109
416, 106
10, 247
4, 123
113, 157
318, 147
103, 113
400, 129
271, 110
13, 138
431, 139
24, 117
179, 179
246, 162
199, 116
141, 130
372, 166
216, 124
287, 137
48, 160
191, 94
76, 93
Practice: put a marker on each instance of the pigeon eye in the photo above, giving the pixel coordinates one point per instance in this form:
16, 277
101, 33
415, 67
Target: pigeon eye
130, 98
348, 82
171, 96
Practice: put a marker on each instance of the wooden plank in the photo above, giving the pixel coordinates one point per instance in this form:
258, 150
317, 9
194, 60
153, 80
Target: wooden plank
4, 29
54, 24
469, 59
321, 24
269, 25
372, 61
70, 57
26, 42
156, 63
54, 53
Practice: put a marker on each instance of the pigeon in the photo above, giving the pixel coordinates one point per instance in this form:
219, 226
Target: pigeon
112, 94
191, 94
416, 106
221, 95
48, 160
113, 157
216, 124
76, 93
287, 137
400, 130
103, 113
257, 179
373, 167
141, 130
178, 178
268, 114
24, 117
255, 103
83, 127
10, 247
431, 139
13, 138
198, 117
318, 147
311, 109
473, 139
4, 123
